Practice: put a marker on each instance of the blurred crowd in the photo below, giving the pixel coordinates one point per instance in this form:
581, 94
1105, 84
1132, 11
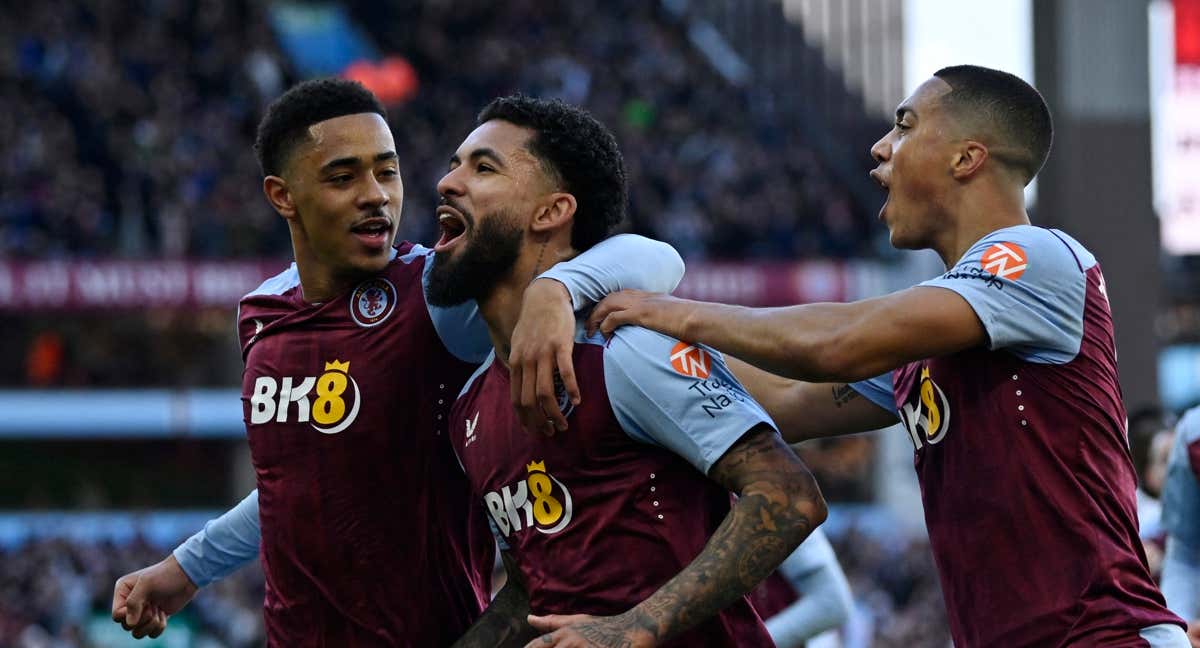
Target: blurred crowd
126, 124
57, 593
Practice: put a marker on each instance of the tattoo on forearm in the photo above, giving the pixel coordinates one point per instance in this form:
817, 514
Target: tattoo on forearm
843, 394
771, 518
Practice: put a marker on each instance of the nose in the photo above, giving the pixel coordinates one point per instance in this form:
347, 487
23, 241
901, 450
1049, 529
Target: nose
374, 194
451, 184
882, 150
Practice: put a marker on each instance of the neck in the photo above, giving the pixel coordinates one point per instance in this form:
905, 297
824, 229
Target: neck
318, 282
502, 307
977, 212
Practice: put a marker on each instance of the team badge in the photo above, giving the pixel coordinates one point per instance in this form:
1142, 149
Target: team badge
691, 361
560, 394
372, 302
1005, 260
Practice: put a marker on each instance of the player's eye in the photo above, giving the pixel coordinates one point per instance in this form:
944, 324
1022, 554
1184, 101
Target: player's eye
341, 178
484, 168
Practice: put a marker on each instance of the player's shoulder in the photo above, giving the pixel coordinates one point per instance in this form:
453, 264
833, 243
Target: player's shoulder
1013, 252
473, 381
631, 346
280, 284
1188, 427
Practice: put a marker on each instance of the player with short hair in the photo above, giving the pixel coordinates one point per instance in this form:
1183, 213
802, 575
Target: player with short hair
366, 522
1181, 521
627, 516
1003, 371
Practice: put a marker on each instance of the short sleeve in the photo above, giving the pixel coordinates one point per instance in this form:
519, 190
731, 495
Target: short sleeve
812, 554
677, 395
1181, 489
1027, 285
878, 390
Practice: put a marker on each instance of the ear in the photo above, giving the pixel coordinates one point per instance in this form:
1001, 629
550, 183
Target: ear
968, 159
280, 197
557, 212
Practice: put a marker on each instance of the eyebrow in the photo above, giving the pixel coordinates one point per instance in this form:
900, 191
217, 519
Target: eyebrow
353, 161
480, 153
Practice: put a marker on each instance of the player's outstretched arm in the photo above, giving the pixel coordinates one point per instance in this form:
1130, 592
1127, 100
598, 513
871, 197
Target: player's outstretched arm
545, 333
144, 599
814, 342
505, 622
804, 410
779, 504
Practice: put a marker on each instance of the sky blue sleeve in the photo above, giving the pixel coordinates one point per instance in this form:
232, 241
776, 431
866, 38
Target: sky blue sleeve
824, 600
616, 263
878, 390
677, 396
1181, 578
224, 545
461, 328
1027, 285
1181, 489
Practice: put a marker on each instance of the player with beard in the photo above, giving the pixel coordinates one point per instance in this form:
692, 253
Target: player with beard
1003, 370
366, 523
628, 516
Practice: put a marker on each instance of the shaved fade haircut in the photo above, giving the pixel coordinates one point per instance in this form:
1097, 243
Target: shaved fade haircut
1006, 110
576, 150
311, 102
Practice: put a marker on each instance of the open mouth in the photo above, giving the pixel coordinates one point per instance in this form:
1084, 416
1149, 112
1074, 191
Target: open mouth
878, 177
374, 232
452, 225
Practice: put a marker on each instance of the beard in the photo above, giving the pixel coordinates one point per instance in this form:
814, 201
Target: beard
488, 256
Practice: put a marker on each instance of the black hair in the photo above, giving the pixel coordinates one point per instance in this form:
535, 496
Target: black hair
1010, 108
310, 102
576, 150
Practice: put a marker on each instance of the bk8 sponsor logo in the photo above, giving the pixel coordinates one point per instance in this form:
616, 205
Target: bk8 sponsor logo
329, 412
539, 501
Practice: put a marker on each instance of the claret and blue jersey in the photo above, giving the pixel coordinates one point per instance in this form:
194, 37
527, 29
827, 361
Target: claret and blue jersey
600, 516
1021, 452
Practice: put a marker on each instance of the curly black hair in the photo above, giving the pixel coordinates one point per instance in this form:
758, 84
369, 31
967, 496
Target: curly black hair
288, 117
1007, 107
577, 150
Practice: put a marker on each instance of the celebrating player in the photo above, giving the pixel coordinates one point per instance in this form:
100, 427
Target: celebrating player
349, 377
628, 516
1181, 520
1003, 371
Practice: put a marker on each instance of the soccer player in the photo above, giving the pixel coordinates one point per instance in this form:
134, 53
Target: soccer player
1181, 520
627, 516
1003, 370
349, 377
806, 596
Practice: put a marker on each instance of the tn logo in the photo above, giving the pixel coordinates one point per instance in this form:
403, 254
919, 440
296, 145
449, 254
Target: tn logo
272, 399
1005, 260
539, 501
927, 420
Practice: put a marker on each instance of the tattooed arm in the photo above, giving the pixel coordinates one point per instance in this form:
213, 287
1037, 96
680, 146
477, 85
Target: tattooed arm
504, 622
810, 410
779, 504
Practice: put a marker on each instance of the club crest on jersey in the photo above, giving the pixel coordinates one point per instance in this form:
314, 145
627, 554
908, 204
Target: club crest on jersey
928, 418
333, 410
690, 360
560, 394
1005, 260
372, 301
539, 501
